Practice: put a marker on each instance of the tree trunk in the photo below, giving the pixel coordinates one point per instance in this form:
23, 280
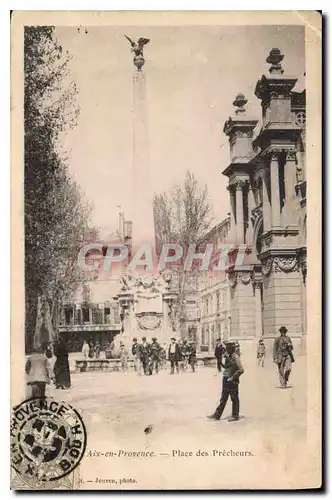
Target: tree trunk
44, 328
55, 319
47, 325
39, 322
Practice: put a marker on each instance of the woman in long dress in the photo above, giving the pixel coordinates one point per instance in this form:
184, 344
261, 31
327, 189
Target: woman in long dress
61, 366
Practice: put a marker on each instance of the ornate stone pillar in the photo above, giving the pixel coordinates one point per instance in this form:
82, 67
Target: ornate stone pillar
258, 308
239, 213
266, 204
275, 191
232, 232
251, 206
290, 194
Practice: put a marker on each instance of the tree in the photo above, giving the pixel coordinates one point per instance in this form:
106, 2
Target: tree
182, 216
55, 215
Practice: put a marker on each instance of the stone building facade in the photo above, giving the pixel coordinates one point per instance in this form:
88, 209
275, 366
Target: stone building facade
214, 293
267, 189
94, 312
189, 322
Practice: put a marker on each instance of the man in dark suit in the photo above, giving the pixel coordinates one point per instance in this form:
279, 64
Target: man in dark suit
155, 355
174, 355
230, 386
192, 356
283, 356
145, 352
136, 353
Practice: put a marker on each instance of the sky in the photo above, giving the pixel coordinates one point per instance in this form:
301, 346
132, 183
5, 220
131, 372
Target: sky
193, 74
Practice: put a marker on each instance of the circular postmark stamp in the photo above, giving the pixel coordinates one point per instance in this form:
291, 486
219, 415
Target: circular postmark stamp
48, 439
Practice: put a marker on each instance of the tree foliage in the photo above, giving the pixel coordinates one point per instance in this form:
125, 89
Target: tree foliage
56, 216
183, 216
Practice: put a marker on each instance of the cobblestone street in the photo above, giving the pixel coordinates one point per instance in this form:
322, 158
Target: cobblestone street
117, 407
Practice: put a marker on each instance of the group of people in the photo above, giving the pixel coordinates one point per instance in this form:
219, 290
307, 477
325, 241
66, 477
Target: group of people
91, 350
41, 370
228, 357
181, 355
150, 357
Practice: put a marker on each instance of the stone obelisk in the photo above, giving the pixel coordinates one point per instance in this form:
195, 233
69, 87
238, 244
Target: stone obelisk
145, 297
143, 222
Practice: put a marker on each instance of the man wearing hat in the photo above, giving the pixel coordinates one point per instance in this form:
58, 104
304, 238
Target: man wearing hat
233, 369
174, 355
283, 355
154, 355
185, 352
219, 352
124, 357
144, 352
135, 352
192, 356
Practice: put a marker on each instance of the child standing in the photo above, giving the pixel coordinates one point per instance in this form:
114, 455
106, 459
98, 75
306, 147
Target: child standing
124, 358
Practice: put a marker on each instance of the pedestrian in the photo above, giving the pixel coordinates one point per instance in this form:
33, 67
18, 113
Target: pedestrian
233, 369
135, 350
162, 357
50, 363
154, 355
85, 349
185, 351
144, 352
61, 366
48, 351
219, 352
192, 356
97, 350
91, 349
39, 373
180, 356
174, 355
123, 354
283, 356
261, 353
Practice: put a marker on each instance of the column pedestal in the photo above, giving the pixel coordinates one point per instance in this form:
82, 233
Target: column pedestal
242, 306
282, 296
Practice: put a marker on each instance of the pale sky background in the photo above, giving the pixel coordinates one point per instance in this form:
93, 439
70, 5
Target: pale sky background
193, 75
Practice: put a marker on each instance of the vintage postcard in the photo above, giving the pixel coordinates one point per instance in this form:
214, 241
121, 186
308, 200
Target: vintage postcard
166, 243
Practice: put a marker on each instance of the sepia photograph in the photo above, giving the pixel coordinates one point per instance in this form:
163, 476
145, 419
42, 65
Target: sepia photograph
166, 242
